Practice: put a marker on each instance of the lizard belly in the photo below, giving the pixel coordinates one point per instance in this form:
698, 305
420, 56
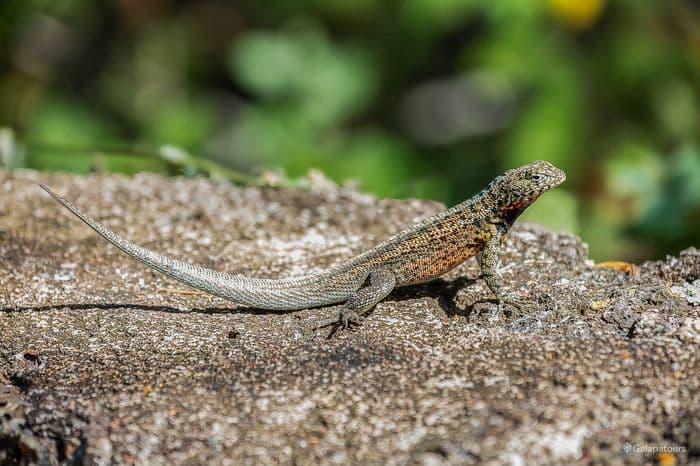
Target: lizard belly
433, 265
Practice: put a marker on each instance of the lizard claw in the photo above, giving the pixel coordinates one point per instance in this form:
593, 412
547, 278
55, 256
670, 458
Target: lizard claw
346, 318
349, 318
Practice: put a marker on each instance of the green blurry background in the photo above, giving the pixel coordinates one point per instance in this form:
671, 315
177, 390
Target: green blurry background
419, 98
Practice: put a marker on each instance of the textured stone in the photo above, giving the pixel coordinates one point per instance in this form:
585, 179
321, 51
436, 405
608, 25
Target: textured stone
104, 360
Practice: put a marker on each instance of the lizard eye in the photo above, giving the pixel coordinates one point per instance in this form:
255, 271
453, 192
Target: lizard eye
536, 177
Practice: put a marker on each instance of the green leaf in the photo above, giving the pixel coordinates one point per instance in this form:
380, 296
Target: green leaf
549, 128
324, 83
183, 122
634, 171
59, 120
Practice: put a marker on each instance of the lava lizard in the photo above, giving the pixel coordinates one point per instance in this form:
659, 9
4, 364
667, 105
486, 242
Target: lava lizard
417, 254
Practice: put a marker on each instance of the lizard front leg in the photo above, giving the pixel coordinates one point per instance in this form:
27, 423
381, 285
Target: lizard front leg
489, 260
381, 283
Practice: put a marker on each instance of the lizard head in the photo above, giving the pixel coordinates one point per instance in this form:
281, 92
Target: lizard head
517, 189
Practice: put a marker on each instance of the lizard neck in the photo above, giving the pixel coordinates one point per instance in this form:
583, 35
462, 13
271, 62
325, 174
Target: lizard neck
484, 204
495, 204
510, 212
513, 211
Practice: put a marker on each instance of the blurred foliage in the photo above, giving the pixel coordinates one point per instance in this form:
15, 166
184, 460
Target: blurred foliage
426, 98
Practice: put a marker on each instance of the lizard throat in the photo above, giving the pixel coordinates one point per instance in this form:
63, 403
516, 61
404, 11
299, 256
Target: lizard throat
513, 211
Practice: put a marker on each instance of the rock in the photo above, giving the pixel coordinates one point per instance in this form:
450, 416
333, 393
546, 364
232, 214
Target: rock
110, 362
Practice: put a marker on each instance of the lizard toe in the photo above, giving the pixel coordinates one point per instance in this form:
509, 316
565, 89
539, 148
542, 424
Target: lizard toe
348, 318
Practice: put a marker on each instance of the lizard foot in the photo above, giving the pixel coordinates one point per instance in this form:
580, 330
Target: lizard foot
346, 318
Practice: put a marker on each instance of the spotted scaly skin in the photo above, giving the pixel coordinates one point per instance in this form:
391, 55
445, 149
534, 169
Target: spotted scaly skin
420, 253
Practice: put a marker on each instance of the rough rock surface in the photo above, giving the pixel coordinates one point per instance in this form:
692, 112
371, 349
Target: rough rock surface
104, 361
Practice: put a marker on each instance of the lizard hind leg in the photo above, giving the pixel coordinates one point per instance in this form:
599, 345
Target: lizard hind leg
381, 283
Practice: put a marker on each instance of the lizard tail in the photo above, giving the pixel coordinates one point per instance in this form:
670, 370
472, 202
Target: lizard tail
273, 294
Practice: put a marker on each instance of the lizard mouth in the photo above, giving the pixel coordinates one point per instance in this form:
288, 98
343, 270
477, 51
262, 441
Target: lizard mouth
560, 178
553, 176
555, 179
